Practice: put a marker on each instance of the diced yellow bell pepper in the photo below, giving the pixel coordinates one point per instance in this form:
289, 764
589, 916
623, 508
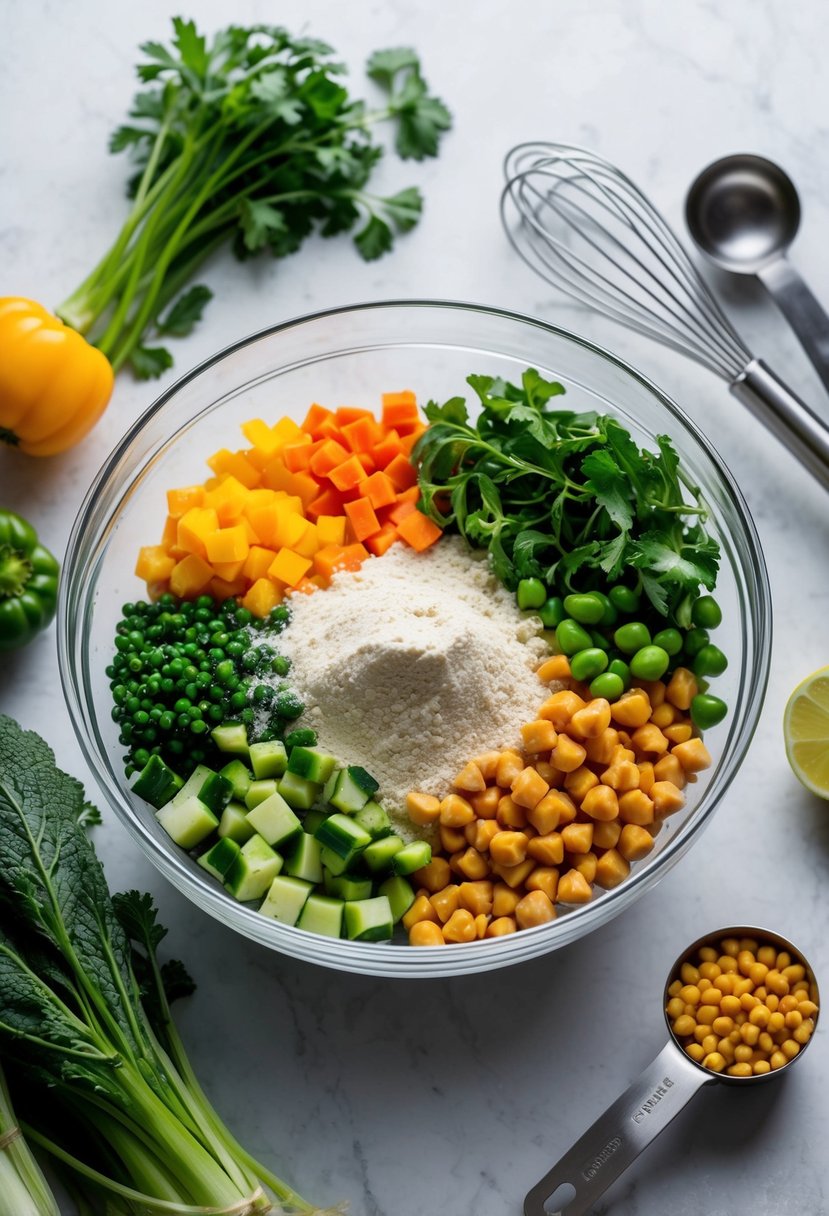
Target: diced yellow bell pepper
289, 567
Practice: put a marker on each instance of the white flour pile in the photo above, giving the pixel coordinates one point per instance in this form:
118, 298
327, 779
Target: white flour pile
412, 665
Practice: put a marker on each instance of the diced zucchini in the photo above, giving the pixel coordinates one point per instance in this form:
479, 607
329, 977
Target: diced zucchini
322, 914
332, 862
311, 763
303, 736
298, 791
411, 857
286, 899
363, 779
268, 759
218, 860
304, 860
258, 791
312, 819
378, 855
330, 786
398, 891
343, 836
374, 820
157, 783
274, 820
193, 784
187, 823
348, 796
344, 886
231, 737
369, 920
216, 792
238, 774
253, 871
234, 823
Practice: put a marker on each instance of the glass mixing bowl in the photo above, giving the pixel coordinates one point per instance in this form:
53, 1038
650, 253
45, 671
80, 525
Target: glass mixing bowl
350, 356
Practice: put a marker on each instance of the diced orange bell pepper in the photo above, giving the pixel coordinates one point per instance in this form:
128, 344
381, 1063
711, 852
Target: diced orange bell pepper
400, 411
351, 413
329, 502
361, 434
379, 490
418, 531
313, 420
328, 455
386, 450
383, 540
401, 472
348, 474
362, 519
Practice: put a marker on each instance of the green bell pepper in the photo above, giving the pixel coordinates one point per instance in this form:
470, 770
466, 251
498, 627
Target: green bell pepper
28, 582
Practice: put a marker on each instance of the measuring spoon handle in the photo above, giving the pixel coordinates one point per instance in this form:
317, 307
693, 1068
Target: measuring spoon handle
618, 1137
802, 310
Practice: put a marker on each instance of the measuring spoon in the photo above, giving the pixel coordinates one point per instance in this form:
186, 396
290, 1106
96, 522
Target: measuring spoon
646, 1108
743, 212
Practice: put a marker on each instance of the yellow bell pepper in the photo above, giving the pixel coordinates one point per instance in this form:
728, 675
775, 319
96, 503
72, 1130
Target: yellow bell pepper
54, 385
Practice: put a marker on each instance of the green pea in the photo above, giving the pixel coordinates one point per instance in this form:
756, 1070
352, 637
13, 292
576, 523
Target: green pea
706, 612
552, 612
588, 664
670, 640
608, 685
531, 593
618, 667
707, 711
586, 609
632, 637
649, 663
710, 661
610, 616
624, 598
695, 639
571, 638
599, 640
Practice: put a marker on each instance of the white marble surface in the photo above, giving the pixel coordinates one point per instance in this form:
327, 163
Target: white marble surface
408, 1098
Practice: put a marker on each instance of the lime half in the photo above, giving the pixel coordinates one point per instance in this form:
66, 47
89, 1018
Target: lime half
806, 732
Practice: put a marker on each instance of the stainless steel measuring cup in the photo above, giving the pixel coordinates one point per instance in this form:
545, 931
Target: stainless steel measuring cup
627, 1127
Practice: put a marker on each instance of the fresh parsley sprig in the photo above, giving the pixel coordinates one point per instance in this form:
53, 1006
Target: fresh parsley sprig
249, 138
566, 497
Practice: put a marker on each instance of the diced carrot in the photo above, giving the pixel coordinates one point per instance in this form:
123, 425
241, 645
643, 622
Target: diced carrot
154, 564
329, 430
229, 571
221, 589
410, 495
289, 567
346, 475
362, 434
401, 472
354, 556
407, 442
257, 562
227, 545
383, 540
305, 586
366, 461
296, 455
180, 501
314, 419
400, 410
350, 413
329, 502
327, 559
236, 463
190, 576
418, 531
262, 597
386, 450
362, 519
194, 527
379, 490
331, 529
399, 512
327, 456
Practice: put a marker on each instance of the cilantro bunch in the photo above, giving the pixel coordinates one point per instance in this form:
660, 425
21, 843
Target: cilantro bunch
565, 497
249, 138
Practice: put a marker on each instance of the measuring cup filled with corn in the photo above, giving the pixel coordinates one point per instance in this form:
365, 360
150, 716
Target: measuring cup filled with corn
741, 1006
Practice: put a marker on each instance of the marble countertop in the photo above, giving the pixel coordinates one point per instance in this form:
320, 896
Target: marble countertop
406, 1098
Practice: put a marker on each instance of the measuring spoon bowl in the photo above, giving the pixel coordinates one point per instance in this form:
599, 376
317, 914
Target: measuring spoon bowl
646, 1108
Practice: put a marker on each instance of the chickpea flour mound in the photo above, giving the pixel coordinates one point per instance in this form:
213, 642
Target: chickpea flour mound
412, 665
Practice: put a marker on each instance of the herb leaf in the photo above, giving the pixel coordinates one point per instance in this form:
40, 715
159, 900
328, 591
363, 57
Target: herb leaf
186, 311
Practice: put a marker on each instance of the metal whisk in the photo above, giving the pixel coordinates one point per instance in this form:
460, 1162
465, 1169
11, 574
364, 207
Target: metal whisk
582, 225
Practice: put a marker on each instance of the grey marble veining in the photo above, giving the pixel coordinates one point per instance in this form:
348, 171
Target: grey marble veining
415, 1098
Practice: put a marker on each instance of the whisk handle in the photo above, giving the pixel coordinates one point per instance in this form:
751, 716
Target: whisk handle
786, 416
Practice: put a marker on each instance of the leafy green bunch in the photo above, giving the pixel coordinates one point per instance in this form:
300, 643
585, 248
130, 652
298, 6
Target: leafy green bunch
562, 496
248, 138
95, 1064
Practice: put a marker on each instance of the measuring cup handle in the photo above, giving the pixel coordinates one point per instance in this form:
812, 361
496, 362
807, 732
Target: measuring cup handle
619, 1136
802, 310
786, 416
